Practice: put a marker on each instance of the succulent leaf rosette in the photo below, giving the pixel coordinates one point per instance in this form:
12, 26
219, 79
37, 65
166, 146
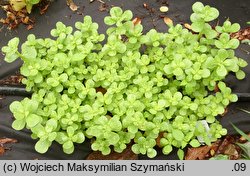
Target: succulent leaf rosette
130, 88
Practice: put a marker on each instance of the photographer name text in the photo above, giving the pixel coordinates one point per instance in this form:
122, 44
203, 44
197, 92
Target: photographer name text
96, 168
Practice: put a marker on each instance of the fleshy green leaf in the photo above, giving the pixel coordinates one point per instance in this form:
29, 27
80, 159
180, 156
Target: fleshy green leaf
109, 21
197, 26
240, 74
212, 14
52, 124
197, 7
235, 27
167, 149
178, 135
234, 43
18, 124
151, 153
78, 57
42, 146
180, 154
221, 71
29, 52
211, 34
116, 12
68, 145
195, 143
127, 15
16, 106
32, 120
132, 129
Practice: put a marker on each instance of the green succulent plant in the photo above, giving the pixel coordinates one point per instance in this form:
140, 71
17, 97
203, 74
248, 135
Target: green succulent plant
152, 83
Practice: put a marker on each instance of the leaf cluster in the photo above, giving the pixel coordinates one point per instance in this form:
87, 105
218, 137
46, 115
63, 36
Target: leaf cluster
151, 83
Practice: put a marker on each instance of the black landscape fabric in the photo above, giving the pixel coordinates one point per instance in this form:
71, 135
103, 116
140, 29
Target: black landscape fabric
179, 11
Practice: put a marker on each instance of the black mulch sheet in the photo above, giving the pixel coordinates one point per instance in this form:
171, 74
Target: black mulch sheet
179, 12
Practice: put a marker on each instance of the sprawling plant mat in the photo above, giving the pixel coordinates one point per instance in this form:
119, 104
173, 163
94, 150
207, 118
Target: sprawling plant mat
231, 81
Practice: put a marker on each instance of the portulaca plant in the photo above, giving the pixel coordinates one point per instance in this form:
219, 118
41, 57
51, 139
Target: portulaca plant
130, 89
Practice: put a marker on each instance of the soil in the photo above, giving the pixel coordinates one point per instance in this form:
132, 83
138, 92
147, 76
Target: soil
3, 142
243, 34
225, 146
12, 80
14, 19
